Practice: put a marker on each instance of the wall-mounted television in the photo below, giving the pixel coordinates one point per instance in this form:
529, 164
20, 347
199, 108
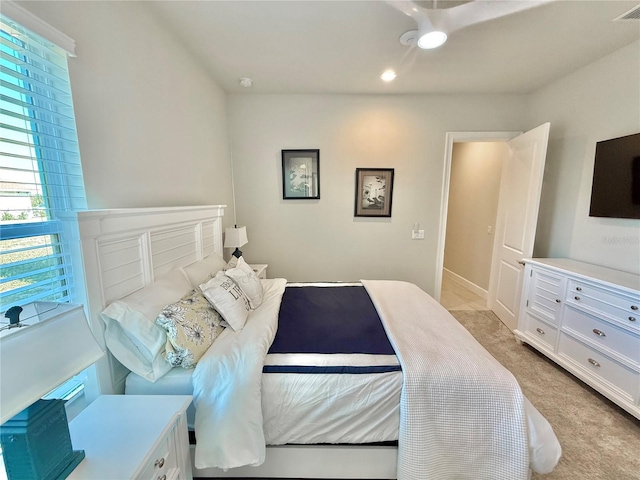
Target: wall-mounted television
615, 191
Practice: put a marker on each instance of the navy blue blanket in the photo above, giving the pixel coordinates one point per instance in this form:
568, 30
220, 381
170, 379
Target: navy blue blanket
329, 320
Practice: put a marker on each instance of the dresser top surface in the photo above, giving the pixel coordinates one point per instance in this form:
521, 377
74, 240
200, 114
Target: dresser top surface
616, 278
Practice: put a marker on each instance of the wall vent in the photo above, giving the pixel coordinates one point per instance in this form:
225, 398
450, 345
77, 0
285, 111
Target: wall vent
633, 14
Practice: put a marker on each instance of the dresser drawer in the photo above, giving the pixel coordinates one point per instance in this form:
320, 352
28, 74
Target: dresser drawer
546, 295
543, 332
603, 333
599, 365
162, 463
624, 308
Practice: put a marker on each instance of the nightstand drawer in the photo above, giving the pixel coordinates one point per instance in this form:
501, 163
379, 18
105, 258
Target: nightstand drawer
163, 462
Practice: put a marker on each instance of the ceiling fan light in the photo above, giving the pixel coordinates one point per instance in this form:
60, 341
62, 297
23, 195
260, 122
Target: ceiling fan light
432, 39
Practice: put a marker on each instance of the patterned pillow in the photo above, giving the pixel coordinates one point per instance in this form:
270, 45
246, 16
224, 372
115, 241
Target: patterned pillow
191, 325
228, 299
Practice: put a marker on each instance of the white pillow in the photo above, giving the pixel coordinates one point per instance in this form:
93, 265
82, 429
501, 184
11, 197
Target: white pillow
200, 271
131, 333
232, 263
228, 299
248, 281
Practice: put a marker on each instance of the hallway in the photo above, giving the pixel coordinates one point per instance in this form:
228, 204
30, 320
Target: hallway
456, 297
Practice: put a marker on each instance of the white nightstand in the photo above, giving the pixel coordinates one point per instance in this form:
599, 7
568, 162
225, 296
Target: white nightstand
133, 436
260, 269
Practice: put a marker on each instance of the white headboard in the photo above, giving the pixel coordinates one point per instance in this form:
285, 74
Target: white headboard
124, 250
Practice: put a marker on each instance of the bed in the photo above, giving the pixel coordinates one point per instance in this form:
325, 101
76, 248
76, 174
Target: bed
267, 420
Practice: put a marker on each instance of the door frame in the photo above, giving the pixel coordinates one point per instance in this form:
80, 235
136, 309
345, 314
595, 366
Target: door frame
450, 139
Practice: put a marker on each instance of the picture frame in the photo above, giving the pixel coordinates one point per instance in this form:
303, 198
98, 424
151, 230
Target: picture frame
301, 174
374, 192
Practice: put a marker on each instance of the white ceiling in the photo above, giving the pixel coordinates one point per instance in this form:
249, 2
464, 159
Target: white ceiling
342, 47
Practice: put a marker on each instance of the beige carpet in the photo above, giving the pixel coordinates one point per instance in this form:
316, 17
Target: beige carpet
599, 440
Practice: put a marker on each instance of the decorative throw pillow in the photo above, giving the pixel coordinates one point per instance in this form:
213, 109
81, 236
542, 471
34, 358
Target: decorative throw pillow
248, 281
202, 270
232, 263
228, 299
191, 325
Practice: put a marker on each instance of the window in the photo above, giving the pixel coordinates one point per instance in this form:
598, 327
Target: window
40, 169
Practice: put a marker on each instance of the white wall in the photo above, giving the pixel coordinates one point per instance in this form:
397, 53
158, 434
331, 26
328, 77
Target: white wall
151, 122
153, 131
322, 240
598, 102
476, 168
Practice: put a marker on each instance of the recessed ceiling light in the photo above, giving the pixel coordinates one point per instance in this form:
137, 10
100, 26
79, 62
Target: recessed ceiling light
388, 75
246, 82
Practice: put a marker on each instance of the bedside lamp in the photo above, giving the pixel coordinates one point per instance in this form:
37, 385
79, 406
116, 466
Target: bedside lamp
51, 343
235, 237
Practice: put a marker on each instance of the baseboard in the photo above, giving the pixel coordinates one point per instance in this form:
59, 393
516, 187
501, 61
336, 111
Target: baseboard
454, 277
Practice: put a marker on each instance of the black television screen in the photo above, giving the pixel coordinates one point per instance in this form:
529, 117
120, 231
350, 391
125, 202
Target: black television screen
615, 191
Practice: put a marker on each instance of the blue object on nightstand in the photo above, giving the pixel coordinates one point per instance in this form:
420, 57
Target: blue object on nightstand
36, 444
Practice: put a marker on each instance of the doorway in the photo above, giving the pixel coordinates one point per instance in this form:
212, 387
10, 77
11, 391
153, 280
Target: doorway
515, 226
451, 139
474, 188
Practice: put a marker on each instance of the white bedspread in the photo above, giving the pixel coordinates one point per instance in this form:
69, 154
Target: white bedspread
226, 389
462, 413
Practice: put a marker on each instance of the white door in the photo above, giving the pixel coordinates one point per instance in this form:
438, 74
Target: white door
518, 204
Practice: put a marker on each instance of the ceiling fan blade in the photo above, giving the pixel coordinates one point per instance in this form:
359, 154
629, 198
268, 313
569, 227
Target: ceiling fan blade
409, 8
480, 11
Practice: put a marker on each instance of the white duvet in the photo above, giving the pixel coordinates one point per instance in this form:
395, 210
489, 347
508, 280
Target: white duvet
230, 428
226, 389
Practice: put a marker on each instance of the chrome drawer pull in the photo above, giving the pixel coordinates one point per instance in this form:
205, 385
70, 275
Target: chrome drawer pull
593, 362
579, 289
634, 307
577, 297
600, 333
632, 319
159, 463
558, 300
539, 330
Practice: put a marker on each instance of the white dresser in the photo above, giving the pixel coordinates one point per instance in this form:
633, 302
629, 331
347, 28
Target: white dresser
133, 437
587, 319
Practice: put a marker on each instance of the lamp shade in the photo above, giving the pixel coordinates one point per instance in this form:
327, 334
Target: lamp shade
235, 237
54, 344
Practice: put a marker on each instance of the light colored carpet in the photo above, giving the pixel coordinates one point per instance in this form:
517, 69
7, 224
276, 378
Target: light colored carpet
599, 440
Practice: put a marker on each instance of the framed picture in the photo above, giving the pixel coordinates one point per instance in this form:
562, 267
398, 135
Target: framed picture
374, 192
300, 174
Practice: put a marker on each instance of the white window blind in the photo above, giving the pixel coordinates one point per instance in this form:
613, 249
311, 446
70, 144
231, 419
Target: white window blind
40, 169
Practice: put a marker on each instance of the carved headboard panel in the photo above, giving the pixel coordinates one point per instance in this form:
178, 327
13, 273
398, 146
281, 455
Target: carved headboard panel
123, 250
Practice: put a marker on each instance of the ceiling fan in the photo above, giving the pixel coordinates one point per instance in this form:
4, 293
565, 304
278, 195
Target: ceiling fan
436, 20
